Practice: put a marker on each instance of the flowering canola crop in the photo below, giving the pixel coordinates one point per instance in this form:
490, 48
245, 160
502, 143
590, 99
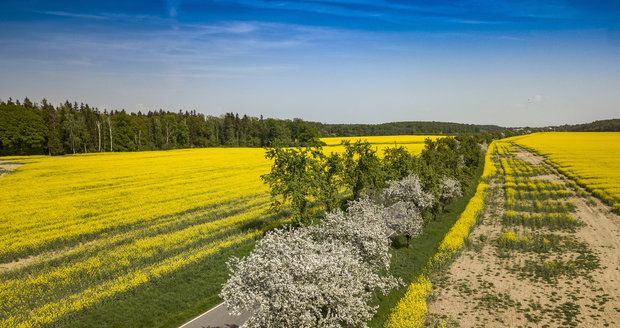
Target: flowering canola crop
592, 159
390, 140
77, 230
414, 143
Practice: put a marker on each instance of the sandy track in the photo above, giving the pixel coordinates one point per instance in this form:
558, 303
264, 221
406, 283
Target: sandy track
484, 287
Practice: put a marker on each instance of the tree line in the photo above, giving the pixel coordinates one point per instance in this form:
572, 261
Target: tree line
69, 128
327, 269
612, 125
307, 180
405, 128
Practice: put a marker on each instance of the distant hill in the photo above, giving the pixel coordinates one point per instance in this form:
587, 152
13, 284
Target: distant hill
612, 125
402, 128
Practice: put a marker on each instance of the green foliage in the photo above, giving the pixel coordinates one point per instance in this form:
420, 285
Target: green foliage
309, 181
398, 163
362, 168
443, 152
22, 130
469, 148
123, 132
406, 128
455, 157
30, 128
612, 125
300, 177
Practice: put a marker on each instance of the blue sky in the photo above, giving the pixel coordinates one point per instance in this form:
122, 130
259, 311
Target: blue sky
511, 63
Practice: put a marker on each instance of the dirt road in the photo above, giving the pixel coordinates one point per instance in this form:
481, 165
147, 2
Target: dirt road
521, 275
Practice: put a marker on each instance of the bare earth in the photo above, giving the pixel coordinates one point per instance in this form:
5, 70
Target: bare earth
485, 289
6, 167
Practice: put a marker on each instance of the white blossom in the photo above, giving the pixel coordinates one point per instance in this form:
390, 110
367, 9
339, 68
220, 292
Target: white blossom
325, 275
404, 218
409, 189
291, 279
450, 189
484, 147
364, 227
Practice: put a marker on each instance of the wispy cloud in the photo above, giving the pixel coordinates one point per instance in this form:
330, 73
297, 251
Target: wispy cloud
231, 49
74, 15
99, 16
220, 27
368, 15
172, 6
461, 12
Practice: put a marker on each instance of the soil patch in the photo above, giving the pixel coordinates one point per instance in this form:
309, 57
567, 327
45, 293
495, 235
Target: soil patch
571, 280
8, 167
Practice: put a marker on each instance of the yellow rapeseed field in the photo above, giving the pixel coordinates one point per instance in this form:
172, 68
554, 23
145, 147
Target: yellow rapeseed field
592, 159
413, 143
75, 230
78, 230
334, 141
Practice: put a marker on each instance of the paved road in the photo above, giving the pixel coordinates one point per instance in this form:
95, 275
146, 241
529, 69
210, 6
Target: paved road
217, 317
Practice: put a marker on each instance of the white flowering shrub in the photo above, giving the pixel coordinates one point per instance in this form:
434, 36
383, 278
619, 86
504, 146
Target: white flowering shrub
483, 147
449, 189
409, 189
291, 279
364, 227
365, 207
404, 218
325, 275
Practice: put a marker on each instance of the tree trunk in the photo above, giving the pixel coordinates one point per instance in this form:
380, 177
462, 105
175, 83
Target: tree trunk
99, 134
72, 139
167, 134
110, 126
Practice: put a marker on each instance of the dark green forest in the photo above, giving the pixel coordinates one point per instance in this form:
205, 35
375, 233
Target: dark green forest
31, 128
69, 128
612, 125
404, 128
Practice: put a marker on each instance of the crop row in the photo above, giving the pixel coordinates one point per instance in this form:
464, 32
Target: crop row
22, 292
592, 160
85, 229
70, 207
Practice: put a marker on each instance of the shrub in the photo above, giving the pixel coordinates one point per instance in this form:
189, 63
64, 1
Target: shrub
364, 227
450, 189
293, 279
408, 189
404, 218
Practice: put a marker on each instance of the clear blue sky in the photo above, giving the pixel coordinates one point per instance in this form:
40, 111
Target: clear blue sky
511, 63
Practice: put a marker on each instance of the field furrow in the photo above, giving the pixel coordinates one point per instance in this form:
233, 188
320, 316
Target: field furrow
537, 258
